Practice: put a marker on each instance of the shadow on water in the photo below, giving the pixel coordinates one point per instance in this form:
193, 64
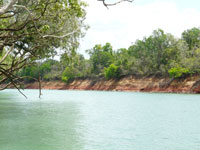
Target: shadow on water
38, 125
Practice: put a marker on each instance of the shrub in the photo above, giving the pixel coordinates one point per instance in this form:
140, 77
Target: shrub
68, 74
112, 71
177, 72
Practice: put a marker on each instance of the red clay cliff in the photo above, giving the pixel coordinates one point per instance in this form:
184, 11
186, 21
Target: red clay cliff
129, 83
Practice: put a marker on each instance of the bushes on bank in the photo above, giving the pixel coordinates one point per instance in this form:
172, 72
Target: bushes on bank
68, 74
177, 72
112, 71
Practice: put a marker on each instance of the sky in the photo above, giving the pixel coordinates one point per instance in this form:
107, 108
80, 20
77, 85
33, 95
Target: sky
122, 24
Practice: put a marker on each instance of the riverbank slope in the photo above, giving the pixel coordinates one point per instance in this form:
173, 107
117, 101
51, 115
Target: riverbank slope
128, 83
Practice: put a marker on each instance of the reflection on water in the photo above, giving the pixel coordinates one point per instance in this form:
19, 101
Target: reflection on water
89, 120
38, 125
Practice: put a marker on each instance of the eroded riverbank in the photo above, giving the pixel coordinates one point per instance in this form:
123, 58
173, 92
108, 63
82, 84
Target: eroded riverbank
130, 83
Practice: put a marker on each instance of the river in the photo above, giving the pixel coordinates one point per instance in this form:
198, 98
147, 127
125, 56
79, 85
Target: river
91, 120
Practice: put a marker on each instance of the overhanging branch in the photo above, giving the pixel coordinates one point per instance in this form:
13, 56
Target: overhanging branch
112, 4
44, 36
62, 36
4, 9
7, 53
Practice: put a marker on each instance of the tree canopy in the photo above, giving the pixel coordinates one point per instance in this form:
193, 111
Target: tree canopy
36, 29
160, 54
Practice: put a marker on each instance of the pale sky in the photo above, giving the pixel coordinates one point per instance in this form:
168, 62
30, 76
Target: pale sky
122, 24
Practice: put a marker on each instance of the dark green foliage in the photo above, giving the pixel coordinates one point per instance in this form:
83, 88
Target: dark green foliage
152, 53
31, 73
100, 57
159, 54
192, 37
37, 30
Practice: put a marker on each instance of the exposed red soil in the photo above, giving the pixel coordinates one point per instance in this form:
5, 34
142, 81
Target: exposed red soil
130, 83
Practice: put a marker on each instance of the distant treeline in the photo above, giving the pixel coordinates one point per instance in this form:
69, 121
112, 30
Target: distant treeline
160, 54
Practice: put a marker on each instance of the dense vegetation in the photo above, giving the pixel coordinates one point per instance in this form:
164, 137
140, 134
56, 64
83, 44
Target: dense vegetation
35, 30
160, 54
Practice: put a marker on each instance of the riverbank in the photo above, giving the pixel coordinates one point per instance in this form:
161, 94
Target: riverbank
129, 83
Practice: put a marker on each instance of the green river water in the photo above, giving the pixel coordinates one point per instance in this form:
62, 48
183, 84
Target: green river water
91, 120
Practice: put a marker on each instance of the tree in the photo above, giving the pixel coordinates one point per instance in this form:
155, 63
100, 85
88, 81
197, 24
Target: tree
154, 53
100, 57
114, 3
189, 51
32, 30
76, 62
192, 37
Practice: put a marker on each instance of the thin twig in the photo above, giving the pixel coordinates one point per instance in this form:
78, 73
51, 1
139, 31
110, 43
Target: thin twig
62, 36
44, 36
112, 4
21, 6
8, 52
7, 7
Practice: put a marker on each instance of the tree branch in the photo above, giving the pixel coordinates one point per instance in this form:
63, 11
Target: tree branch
8, 52
62, 36
4, 9
21, 6
112, 4
44, 36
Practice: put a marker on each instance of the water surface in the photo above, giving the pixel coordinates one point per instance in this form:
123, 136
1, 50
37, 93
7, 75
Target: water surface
90, 120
